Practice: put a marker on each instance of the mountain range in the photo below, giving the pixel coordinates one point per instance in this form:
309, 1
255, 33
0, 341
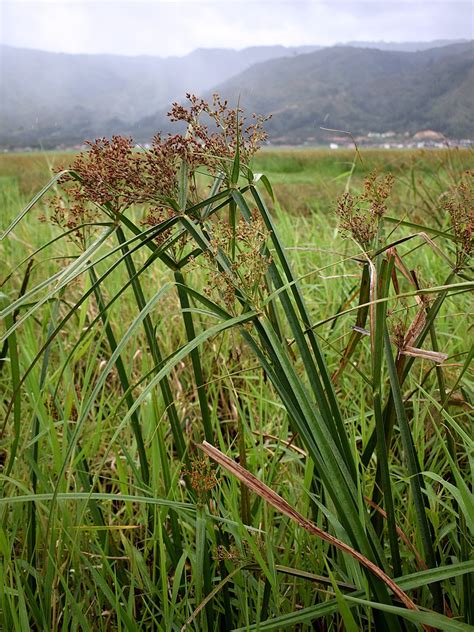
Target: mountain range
51, 99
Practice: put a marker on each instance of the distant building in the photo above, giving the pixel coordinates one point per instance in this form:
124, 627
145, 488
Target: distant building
389, 134
428, 134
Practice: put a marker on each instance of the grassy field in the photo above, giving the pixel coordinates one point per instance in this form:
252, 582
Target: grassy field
117, 364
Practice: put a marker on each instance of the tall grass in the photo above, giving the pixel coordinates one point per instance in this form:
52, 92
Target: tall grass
148, 330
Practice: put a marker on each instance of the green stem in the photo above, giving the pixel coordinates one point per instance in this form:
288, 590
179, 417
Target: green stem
416, 479
135, 421
195, 357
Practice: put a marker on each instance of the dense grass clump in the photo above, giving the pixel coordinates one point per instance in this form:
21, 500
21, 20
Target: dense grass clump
229, 408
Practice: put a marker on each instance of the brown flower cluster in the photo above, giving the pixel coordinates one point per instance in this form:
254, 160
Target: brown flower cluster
215, 143
69, 215
398, 331
459, 204
202, 477
244, 556
110, 173
115, 175
232, 554
360, 215
244, 248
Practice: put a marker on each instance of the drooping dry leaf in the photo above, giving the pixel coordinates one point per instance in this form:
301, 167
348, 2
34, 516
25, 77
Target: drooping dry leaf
424, 354
274, 499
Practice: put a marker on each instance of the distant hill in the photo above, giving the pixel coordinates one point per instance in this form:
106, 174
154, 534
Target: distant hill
361, 90
53, 98
404, 47
49, 99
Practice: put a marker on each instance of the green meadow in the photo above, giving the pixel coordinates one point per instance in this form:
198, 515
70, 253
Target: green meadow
251, 415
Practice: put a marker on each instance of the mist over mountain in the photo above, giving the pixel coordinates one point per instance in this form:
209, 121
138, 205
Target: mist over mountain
49, 99
52, 98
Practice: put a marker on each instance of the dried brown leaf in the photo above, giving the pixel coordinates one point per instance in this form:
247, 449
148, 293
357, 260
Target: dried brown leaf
272, 498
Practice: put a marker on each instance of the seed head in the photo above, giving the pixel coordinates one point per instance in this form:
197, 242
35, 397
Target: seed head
459, 203
360, 215
202, 477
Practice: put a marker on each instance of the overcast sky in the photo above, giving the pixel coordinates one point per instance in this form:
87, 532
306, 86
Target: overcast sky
175, 27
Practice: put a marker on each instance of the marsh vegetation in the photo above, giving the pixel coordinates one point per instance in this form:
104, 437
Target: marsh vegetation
235, 401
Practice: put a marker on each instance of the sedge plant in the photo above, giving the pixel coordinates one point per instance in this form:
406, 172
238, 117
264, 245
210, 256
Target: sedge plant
116, 382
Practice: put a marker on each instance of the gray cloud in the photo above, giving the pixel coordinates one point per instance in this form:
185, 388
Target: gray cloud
175, 27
